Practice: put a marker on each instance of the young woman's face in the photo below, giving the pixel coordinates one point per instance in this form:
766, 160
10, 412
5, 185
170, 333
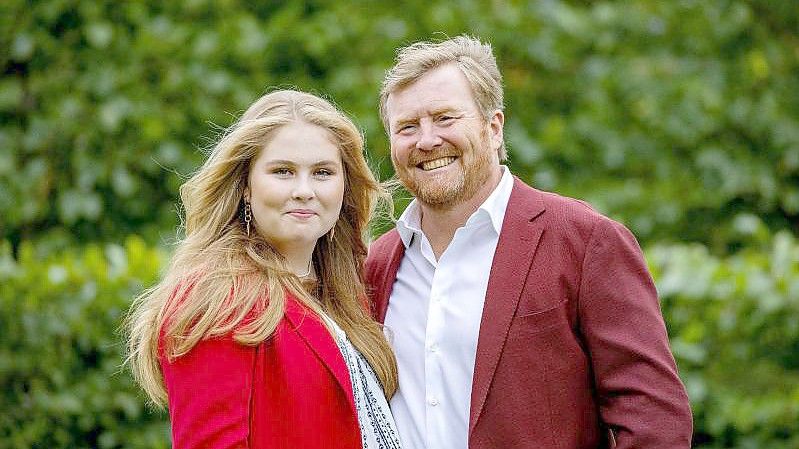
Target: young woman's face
296, 187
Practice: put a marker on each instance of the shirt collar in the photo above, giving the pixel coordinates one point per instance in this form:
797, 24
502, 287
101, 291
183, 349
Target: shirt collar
493, 209
495, 205
409, 223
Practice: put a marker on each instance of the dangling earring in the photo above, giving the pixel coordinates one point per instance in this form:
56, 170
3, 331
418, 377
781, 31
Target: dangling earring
331, 234
247, 216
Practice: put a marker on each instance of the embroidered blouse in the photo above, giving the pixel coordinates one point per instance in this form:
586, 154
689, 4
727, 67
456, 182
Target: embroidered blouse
378, 430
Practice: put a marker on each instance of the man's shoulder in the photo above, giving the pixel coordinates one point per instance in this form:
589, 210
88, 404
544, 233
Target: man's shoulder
561, 212
381, 249
386, 241
559, 205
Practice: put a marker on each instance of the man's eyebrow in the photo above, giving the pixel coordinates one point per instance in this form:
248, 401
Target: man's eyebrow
438, 111
445, 110
404, 120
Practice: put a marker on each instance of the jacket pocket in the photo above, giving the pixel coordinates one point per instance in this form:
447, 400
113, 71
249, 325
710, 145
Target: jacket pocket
540, 321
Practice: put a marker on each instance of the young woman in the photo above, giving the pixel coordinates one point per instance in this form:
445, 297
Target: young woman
258, 336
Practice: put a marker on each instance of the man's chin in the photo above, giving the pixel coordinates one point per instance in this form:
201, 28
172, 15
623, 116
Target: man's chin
436, 194
437, 198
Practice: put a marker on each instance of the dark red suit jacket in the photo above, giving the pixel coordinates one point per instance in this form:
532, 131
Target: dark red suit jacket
291, 391
573, 350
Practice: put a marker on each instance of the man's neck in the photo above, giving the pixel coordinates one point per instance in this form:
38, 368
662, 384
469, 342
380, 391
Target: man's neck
440, 224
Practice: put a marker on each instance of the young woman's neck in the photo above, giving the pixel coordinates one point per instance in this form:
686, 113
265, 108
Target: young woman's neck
299, 261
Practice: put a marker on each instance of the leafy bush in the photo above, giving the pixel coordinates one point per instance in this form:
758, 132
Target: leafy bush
732, 321
61, 354
680, 119
672, 116
734, 327
675, 117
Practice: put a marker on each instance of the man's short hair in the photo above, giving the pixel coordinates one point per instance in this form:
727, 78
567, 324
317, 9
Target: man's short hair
473, 57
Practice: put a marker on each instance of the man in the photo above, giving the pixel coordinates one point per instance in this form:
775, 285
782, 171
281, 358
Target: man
520, 318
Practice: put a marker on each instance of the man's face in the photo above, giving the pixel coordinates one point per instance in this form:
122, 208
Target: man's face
443, 150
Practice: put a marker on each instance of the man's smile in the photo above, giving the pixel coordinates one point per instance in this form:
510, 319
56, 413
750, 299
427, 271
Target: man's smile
436, 163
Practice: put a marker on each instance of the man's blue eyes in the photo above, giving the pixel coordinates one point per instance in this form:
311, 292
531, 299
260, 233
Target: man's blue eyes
440, 119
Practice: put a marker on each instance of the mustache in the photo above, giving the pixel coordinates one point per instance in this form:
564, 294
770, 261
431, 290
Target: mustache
416, 157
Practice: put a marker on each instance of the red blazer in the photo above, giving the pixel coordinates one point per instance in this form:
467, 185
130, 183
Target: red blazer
572, 350
291, 391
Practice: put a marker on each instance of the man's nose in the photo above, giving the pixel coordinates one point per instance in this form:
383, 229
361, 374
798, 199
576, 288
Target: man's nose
429, 138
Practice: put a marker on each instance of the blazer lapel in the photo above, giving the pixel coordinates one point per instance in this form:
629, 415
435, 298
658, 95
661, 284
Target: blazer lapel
397, 249
317, 337
512, 260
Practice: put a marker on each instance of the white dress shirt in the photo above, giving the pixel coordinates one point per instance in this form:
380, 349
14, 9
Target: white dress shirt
433, 321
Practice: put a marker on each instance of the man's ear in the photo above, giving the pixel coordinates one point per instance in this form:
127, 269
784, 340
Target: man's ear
496, 129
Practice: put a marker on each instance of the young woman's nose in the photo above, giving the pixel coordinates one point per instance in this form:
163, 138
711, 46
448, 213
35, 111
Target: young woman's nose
303, 190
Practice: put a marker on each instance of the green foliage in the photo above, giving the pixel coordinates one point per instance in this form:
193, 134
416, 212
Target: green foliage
680, 119
61, 354
732, 323
674, 117
735, 333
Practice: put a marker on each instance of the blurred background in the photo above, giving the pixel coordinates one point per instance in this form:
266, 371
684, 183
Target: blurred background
678, 118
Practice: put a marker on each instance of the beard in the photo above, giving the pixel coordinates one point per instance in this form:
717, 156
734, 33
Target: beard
453, 187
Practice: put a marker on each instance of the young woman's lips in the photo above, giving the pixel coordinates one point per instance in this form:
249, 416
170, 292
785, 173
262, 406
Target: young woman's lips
301, 213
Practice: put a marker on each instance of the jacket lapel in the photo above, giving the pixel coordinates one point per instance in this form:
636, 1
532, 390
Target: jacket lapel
397, 250
321, 342
512, 260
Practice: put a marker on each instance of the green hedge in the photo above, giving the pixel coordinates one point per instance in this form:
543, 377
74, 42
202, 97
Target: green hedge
734, 327
675, 117
733, 324
680, 119
60, 350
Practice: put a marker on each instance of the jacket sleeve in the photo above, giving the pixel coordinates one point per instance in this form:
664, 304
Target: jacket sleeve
210, 393
641, 398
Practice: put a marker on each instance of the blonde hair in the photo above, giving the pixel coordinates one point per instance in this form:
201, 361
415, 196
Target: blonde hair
221, 281
475, 60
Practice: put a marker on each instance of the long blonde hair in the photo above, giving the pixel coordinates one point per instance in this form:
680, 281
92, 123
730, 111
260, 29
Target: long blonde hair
221, 281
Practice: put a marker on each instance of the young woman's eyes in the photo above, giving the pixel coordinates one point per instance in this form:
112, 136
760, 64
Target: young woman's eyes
319, 172
282, 171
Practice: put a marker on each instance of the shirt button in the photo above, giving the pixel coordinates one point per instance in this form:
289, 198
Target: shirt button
433, 348
433, 402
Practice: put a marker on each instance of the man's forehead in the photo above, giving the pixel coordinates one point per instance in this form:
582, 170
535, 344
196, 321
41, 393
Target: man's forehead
410, 104
414, 107
445, 78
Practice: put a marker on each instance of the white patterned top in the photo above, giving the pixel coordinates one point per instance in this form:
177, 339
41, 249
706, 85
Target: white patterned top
378, 430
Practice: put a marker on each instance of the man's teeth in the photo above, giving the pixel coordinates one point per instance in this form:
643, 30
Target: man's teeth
437, 163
